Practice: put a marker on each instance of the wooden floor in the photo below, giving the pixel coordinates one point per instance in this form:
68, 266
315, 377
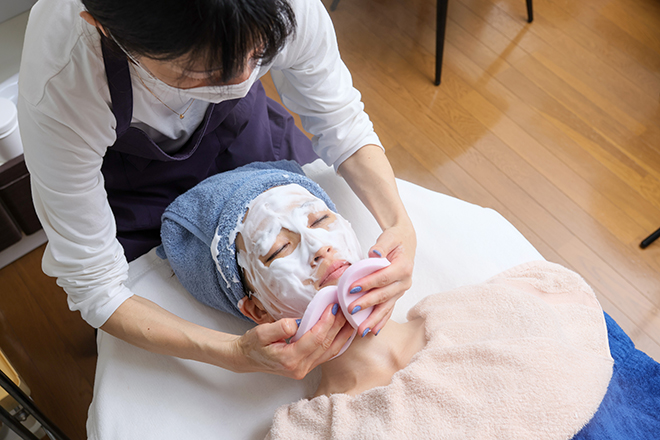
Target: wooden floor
555, 124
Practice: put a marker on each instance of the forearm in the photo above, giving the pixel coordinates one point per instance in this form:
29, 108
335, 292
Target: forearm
144, 324
369, 174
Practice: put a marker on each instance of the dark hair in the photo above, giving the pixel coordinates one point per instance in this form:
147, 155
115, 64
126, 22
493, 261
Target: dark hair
222, 33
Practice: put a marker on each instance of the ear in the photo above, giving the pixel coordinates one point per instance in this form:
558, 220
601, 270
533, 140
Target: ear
253, 309
91, 20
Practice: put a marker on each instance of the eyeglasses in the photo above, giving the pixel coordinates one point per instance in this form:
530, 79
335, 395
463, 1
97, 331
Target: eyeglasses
254, 63
133, 60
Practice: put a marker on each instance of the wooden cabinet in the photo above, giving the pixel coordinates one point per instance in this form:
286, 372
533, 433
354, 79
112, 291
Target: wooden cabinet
17, 215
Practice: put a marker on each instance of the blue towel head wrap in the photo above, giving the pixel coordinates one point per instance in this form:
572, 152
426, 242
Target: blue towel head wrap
207, 215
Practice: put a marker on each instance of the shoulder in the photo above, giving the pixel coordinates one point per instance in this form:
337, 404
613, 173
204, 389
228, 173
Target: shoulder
60, 49
313, 35
62, 75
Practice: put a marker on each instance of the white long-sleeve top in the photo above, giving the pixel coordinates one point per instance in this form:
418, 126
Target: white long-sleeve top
66, 123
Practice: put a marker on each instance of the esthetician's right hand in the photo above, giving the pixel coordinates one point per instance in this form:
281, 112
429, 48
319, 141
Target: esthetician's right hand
264, 347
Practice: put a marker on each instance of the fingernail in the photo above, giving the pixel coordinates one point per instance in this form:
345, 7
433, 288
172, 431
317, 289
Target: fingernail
356, 289
335, 308
356, 309
378, 332
364, 333
298, 322
377, 253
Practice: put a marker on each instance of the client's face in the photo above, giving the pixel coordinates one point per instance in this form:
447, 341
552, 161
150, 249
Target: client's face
290, 246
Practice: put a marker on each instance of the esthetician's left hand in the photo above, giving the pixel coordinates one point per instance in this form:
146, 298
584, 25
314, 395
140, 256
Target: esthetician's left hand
370, 175
386, 286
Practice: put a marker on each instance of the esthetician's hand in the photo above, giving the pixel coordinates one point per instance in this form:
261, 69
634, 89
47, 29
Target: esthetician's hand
370, 175
386, 286
264, 347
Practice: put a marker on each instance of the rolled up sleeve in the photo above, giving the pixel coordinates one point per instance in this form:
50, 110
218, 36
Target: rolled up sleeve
71, 202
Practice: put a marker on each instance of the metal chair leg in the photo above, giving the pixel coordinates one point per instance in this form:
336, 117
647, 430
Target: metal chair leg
441, 24
530, 11
16, 426
14, 391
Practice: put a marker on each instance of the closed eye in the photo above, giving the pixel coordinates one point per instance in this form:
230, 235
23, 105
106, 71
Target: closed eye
276, 253
319, 220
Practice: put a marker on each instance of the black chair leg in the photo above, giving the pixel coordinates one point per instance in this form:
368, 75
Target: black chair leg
441, 24
530, 11
650, 239
12, 423
14, 391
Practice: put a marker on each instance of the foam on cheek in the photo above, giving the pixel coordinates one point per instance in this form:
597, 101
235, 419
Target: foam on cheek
287, 286
344, 240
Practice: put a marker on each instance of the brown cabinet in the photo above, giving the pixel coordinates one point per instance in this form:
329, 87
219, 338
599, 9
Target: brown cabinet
16, 209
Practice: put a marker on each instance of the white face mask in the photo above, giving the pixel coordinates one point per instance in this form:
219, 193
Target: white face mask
216, 94
212, 94
294, 246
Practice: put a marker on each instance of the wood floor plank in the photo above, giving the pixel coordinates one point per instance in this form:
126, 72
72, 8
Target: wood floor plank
590, 16
650, 155
555, 143
59, 386
511, 139
582, 133
75, 333
587, 67
619, 116
505, 48
625, 225
631, 19
589, 106
621, 60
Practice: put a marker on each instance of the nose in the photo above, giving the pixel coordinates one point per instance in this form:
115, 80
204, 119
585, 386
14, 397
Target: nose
322, 253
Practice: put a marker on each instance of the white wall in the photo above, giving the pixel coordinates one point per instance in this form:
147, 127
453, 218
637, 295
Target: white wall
12, 33
11, 8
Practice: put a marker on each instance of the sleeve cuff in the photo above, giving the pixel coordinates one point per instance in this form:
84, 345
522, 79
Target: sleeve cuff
369, 140
99, 312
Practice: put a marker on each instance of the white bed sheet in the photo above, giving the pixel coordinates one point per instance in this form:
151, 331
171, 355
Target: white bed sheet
141, 395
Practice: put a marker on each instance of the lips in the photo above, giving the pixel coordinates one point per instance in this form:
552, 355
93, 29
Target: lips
335, 271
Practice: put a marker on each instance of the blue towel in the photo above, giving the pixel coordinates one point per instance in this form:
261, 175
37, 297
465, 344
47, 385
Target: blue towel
630, 409
219, 203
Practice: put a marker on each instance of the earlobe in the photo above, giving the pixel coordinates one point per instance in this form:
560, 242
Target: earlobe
91, 20
253, 309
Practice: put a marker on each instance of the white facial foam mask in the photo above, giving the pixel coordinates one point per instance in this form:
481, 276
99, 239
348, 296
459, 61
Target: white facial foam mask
286, 287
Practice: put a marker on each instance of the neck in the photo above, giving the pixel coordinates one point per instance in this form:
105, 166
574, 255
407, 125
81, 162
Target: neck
372, 361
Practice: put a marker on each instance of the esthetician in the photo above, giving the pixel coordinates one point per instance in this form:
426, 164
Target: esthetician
126, 104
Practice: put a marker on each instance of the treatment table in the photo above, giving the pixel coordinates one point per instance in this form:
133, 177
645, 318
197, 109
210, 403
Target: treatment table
142, 395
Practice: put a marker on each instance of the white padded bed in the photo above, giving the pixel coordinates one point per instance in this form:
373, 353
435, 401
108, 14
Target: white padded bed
141, 395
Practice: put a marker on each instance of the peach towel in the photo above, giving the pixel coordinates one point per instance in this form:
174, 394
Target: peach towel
524, 355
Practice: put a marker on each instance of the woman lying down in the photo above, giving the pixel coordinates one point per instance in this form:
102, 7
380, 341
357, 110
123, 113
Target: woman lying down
523, 355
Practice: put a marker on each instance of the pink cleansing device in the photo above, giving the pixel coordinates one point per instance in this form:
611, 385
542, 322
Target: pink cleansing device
340, 294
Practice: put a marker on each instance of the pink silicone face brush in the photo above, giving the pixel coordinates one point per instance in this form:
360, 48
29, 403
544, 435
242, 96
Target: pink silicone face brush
340, 294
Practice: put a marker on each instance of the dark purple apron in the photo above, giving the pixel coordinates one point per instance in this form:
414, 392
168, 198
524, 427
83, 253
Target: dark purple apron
141, 179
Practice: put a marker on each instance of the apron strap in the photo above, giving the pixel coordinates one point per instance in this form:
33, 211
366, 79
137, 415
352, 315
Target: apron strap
119, 83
